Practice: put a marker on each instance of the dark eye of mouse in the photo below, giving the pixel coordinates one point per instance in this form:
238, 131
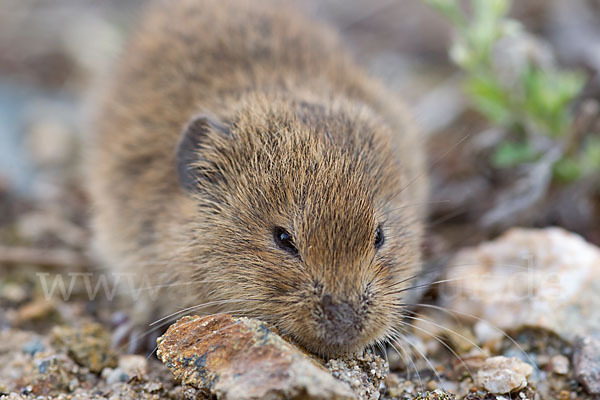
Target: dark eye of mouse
379, 238
284, 240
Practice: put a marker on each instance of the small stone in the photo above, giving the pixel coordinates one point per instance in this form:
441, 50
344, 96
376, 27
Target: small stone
432, 385
13, 396
88, 345
33, 346
35, 310
241, 358
13, 293
153, 387
501, 375
394, 385
486, 332
50, 141
586, 362
560, 364
116, 375
133, 364
106, 373
564, 395
437, 394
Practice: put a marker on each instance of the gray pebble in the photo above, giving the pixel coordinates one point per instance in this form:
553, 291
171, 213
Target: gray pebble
586, 362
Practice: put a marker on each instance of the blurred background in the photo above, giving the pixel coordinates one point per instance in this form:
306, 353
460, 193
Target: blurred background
510, 120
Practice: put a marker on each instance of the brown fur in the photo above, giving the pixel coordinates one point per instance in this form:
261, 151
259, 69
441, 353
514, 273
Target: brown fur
315, 147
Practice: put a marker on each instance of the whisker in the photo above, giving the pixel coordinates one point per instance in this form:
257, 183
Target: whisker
420, 286
168, 285
450, 311
381, 348
393, 340
441, 268
446, 329
445, 344
446, 217
422, 203
433, 270
210, 303
424, 358
437, 161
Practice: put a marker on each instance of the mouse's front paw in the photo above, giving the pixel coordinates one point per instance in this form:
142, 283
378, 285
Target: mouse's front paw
134, 336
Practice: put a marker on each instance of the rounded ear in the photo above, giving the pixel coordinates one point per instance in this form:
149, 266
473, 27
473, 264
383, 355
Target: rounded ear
192, 138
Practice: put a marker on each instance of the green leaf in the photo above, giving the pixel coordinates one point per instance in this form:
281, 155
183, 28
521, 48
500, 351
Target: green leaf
490, 99
451, 9
548, 95
484, 28
510, 154
461, 55
567, 169
590, 157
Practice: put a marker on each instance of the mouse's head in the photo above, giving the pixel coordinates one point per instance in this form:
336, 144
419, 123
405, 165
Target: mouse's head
302, 220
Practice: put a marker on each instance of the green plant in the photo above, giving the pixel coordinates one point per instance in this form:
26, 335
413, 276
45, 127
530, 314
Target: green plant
539, 100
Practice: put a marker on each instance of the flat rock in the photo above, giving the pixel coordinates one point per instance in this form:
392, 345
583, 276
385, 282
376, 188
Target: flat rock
501, 375
241, 358
586, 361
547, 278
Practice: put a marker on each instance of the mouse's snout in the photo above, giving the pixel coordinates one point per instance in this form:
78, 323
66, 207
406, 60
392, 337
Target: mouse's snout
341, 321
337, 318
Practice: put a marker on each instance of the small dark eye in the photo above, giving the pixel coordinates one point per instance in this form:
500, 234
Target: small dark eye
379, 238
284, 240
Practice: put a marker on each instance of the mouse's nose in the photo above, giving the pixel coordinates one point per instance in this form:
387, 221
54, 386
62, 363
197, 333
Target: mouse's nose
340, 320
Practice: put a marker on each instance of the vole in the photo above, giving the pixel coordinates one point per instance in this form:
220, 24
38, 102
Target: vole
243, 162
